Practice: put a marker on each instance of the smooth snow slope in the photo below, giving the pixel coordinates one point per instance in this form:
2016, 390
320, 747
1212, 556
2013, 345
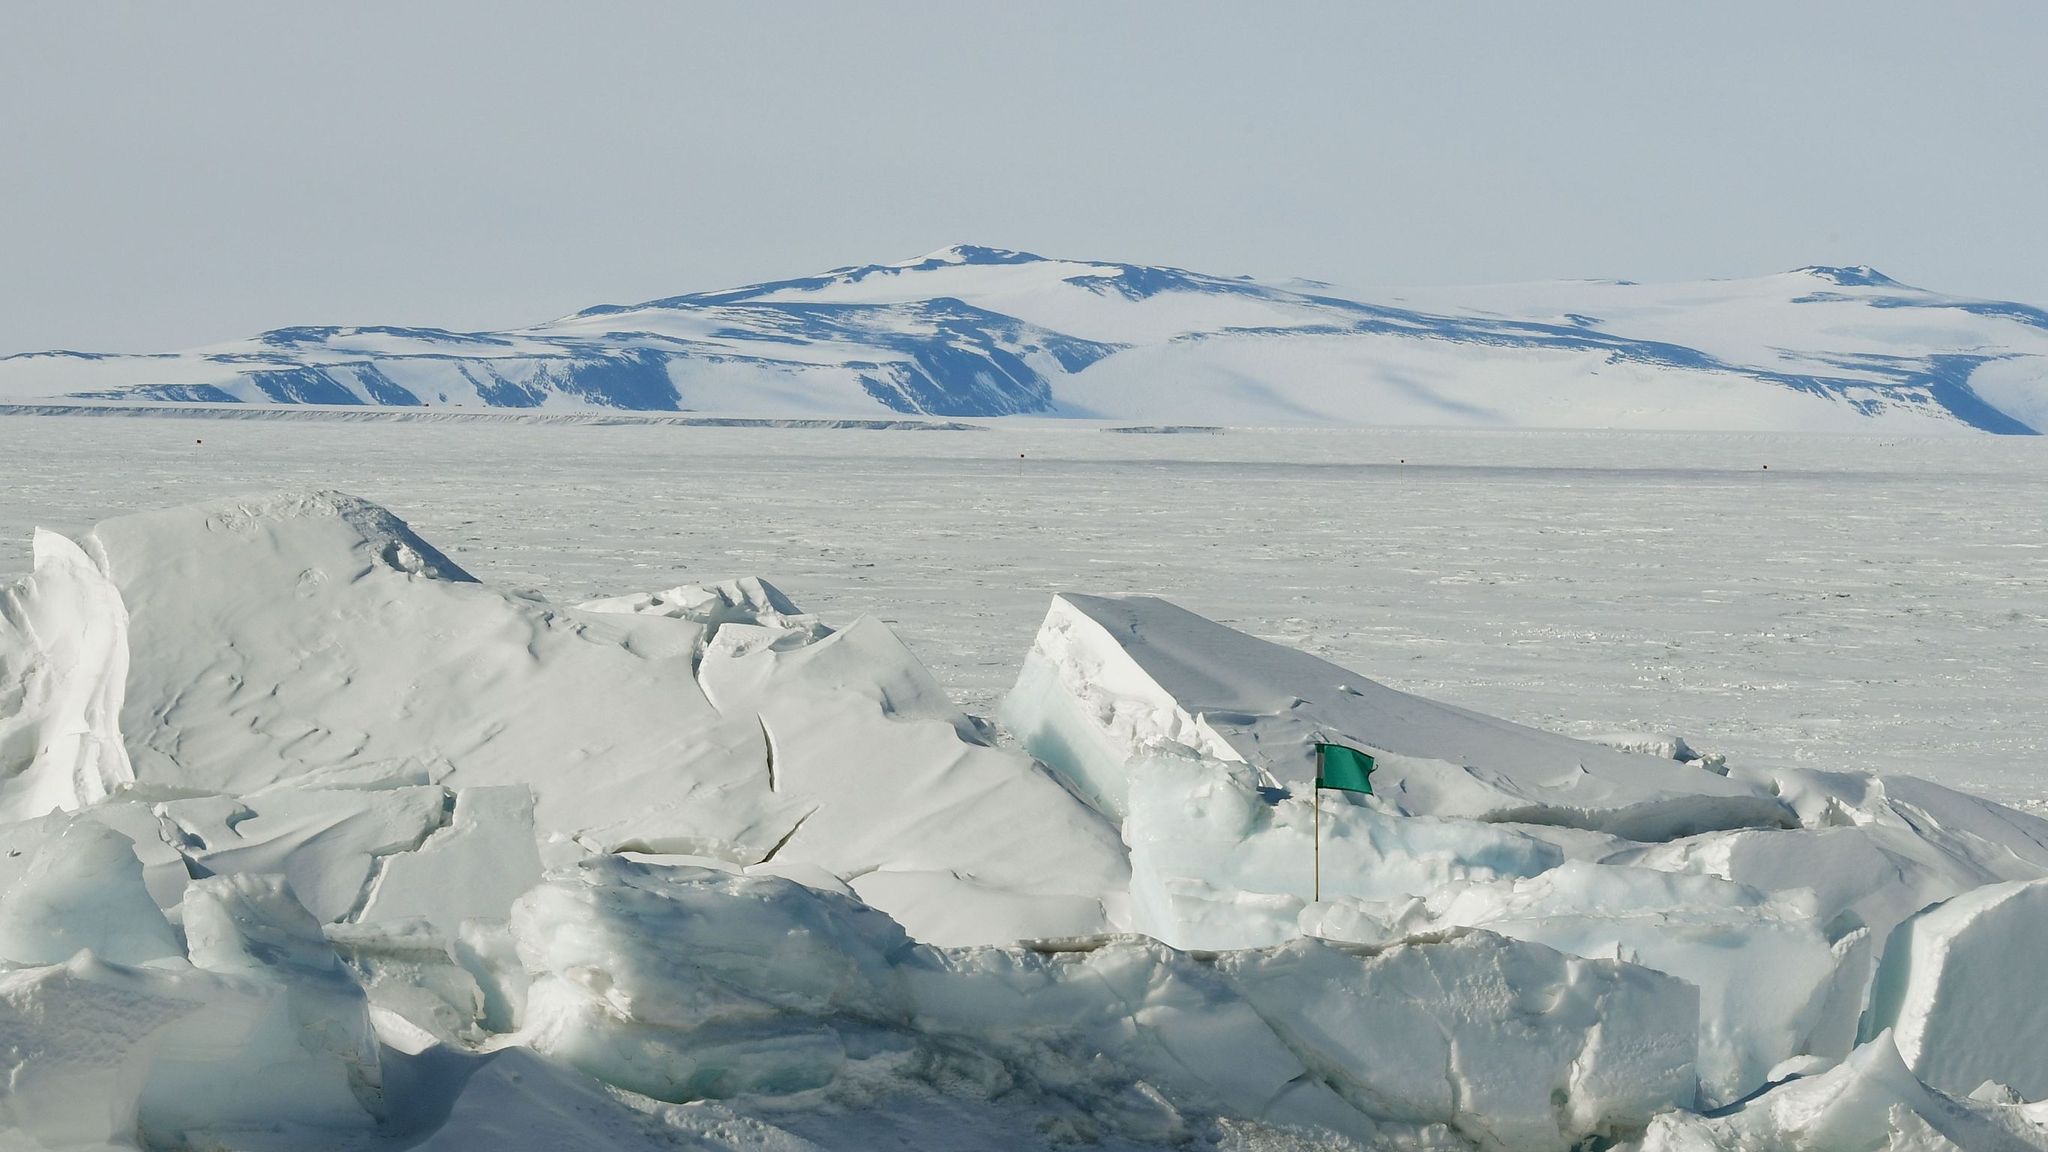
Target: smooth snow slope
984, 332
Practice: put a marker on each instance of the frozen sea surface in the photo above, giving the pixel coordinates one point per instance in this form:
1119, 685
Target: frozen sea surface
1862, 603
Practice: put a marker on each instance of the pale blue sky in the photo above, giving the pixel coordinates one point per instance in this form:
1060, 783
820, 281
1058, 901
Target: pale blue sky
176, 174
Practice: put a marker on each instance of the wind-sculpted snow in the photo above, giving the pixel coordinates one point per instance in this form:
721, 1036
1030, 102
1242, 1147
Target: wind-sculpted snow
721, 725
983, 332
392, 858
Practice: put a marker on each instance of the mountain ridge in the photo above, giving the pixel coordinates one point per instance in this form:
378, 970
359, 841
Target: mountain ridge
979, 332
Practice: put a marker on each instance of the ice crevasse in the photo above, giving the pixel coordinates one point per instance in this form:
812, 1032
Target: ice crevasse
310, 839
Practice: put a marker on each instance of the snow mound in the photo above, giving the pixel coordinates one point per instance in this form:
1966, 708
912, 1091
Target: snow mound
80, 1039
1111, 678
299, 657
316, 640
1961, 1011
1871, 1103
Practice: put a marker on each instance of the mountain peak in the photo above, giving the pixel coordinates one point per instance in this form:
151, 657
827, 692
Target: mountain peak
1851, 276
976, 254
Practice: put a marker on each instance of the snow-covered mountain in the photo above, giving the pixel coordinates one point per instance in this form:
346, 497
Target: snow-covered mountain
983, 332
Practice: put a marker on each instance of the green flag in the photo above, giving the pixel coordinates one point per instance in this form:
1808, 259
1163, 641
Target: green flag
1343, 768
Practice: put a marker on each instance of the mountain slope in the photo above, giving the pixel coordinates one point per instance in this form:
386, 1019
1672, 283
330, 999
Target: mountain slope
982, 332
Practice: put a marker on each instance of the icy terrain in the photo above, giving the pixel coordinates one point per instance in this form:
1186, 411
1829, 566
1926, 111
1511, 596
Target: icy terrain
321, 836
1872, 604
984, 332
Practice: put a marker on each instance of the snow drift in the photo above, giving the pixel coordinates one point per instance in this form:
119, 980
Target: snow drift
311, 840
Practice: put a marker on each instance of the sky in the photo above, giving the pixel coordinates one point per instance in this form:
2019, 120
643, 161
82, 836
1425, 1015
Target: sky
173, 175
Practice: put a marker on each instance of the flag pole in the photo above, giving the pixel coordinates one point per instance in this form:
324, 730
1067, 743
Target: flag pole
1319, 825
1349, 770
